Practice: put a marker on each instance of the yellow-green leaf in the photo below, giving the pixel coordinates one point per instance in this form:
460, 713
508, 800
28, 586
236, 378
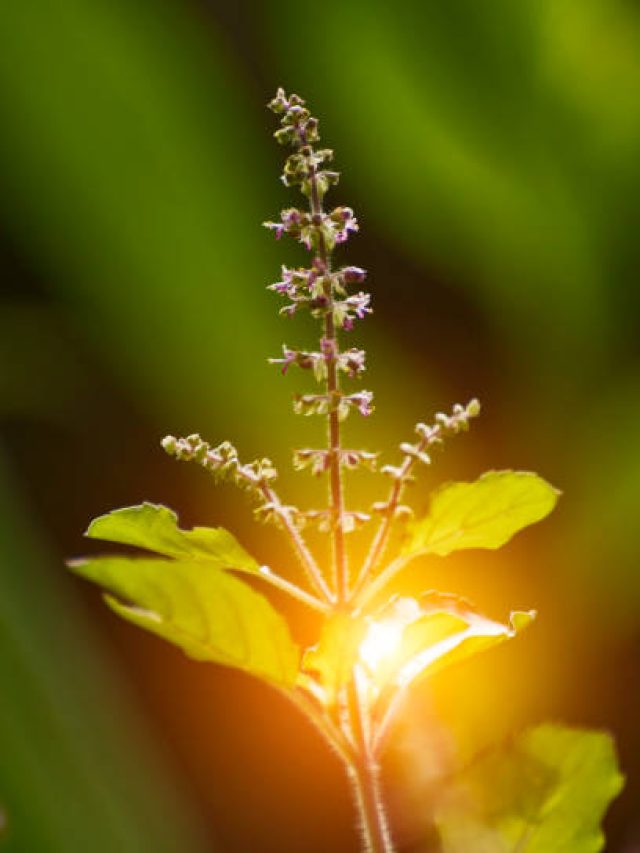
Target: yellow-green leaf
441, 639
155, 528
211, 615
423, 638
482, 514
333, 658
408, 638
543, 792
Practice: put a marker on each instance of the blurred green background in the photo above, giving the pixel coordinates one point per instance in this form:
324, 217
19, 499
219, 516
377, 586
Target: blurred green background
492, 153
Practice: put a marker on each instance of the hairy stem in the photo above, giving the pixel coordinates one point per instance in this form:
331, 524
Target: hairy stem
380, 540
293, 590
336, 496
335, 481
330, 732
394, 705
364, 773
369, 592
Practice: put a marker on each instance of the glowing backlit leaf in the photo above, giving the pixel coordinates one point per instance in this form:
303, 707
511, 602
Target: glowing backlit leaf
482, 514
210, 614
333, 658
544, 792
155, 528
435, 634
408, 639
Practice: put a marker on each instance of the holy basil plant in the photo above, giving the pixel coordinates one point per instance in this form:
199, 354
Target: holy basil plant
194, 587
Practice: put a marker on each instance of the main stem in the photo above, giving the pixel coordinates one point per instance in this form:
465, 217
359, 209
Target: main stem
336, 496
335, 479
363, 768
365, 776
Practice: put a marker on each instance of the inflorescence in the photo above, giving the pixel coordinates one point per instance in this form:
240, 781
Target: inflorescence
332, 295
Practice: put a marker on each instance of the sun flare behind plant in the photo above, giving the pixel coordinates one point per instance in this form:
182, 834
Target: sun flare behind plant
381, 642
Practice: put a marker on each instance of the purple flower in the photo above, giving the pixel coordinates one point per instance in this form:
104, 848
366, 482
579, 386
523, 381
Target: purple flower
352, 361
359, 304
286, 286
290, 357
344, 222
353, 275
289, 310
291, 219
363, 401
278, 227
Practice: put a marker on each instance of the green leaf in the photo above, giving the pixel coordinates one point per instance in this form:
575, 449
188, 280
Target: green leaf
209, 614
482, 514
544, 792
155, 528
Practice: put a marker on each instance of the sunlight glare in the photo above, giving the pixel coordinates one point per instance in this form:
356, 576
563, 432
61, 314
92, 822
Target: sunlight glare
381, 642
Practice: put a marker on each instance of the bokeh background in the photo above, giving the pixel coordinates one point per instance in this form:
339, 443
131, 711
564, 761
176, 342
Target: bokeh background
492, 153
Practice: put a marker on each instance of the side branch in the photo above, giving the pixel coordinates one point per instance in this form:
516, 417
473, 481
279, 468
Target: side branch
430, 436
222, 461
308, 562
293, 590
383, 532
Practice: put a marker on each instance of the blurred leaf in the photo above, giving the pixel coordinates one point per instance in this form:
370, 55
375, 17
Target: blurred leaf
208, 613
41, 376
545, 792
155, 528
133, 179
78, 767
482, 514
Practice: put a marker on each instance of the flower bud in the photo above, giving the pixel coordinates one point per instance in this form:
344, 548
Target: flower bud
473, 408
353, 275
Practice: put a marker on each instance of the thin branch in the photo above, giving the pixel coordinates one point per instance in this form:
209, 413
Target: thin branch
369, 592
324, 725
300, 546
382, 728
336, 497
429, 436
222, 461
294, 591
379, 543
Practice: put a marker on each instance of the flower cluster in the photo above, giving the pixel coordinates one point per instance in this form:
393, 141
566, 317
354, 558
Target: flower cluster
221, 461
315, 229
255, 477
351, 361
324, 404
329, 294
430, 437
317, 460
323, 292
